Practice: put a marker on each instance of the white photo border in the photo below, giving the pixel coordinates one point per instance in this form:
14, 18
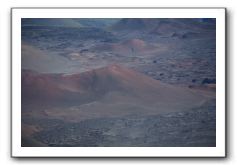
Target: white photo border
218, 13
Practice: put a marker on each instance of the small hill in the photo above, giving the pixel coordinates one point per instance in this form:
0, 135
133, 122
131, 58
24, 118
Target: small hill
127, 47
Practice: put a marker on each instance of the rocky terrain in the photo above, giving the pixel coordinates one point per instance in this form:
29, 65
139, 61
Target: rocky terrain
118, 82
191, 128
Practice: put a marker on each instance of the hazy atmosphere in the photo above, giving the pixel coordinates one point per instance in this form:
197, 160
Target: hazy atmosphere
129, 82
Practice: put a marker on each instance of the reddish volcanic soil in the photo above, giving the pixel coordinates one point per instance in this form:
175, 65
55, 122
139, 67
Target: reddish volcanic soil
105, 92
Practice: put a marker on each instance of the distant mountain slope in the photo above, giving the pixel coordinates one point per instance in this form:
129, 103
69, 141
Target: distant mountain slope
96, 22
163, 25
54, 22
